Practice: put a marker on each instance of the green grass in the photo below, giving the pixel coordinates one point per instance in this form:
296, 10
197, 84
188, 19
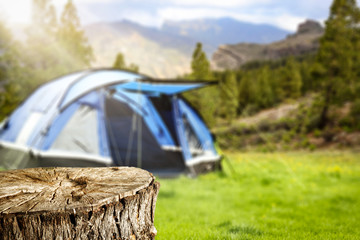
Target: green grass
296, 195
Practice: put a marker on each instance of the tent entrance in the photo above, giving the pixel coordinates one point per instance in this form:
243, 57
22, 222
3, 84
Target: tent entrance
163, 105
125, 142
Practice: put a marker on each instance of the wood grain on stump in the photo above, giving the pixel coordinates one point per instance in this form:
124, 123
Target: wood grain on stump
77, 203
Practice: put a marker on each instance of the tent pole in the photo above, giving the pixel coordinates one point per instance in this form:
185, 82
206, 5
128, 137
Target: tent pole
139, 137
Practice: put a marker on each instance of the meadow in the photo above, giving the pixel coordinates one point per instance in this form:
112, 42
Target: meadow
296, 195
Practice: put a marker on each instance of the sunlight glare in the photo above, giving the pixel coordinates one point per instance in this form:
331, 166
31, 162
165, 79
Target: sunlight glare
15, 11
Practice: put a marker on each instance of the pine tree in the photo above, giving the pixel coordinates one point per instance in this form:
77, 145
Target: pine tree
229, 95
120, 64
133, 67
264, 89
11, 92
42, 32
338, 56
54, 48
43, 17
307, 80
295, 83
291, 82
72, 38
200, 65
247, 93
43, 56
205, 100
119, 61
355, 87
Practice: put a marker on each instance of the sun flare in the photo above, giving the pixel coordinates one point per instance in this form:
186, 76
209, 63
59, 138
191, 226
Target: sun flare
15, 11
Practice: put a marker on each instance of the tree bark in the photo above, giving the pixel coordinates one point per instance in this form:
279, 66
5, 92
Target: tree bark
77, 203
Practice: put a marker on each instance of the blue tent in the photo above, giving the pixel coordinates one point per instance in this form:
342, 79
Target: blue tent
108, 117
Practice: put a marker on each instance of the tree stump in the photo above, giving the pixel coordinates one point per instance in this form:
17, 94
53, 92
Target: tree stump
77, 203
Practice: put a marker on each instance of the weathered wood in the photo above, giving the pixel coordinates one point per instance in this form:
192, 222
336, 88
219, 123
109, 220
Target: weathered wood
77, 203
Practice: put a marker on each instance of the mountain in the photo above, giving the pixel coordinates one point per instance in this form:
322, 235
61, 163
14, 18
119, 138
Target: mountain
304, 41
166, 51
224, 31
157, 54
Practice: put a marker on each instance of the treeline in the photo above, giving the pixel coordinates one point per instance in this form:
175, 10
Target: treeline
262, 85
255, 86
332, 75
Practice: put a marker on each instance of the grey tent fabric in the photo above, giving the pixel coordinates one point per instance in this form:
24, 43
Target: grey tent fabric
80, 133
13, 156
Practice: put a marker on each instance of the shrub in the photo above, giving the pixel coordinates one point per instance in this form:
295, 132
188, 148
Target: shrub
355, 114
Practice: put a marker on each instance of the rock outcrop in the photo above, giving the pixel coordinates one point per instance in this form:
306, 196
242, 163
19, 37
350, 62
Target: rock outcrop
304, 41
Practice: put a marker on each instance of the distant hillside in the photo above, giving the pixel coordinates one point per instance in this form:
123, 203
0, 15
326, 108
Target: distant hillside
304, 41
156, 53
225, 31
166, 52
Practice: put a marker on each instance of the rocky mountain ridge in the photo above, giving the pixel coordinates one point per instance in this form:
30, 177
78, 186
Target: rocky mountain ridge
304, 41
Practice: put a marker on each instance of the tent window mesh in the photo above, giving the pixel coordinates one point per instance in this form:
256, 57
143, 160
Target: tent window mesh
164, 107
194, 143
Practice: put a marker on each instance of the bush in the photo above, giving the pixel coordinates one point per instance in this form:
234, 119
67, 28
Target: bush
346, 123
355, 114
317, 133
249, 110
351, 122
286, 138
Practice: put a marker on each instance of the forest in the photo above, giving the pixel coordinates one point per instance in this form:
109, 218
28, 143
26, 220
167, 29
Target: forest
322, 84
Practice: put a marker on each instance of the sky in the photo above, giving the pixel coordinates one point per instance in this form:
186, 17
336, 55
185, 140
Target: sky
285, 14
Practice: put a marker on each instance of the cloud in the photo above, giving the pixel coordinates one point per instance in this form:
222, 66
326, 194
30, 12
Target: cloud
219, 3
94, 1
143, 17
277, 17
282, 13
203, 3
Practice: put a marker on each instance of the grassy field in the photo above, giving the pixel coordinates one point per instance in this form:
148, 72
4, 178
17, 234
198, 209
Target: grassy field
296, 195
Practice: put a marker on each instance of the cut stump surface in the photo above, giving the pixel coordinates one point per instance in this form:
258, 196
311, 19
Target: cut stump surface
77, 203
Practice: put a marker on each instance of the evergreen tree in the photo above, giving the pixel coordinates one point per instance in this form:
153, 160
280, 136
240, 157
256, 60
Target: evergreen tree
43, 17
53, 48
205, 100
11, 92
120, 64
247, 93
291, 82
72, 38
295, 84
119, 61
338, 60
264, 89
48, 53
133, 67
307, 80
200, 65
229, 95
43, 55
355, 87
